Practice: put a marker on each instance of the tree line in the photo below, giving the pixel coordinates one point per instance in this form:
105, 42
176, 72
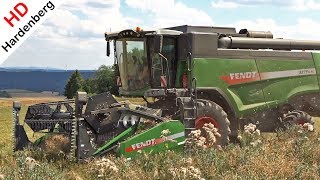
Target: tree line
104, 80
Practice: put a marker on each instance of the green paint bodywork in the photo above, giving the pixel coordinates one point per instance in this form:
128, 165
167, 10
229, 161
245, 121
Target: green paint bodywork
279, 90
251, 97
316, 58
243, 98
121, 136
174, 126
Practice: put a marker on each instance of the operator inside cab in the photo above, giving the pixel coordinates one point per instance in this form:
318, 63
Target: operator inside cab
159, 65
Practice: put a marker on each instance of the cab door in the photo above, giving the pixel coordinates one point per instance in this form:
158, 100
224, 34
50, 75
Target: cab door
163, 68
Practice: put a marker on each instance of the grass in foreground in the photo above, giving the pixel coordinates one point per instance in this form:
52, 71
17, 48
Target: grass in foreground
293, 154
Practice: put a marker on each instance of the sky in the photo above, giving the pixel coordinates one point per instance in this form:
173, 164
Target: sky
73, 38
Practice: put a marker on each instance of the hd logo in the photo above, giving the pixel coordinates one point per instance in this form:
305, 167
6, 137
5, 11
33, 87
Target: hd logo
19, 11
19, 19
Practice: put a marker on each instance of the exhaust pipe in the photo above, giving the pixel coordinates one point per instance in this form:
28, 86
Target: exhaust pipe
256, 34
265, 43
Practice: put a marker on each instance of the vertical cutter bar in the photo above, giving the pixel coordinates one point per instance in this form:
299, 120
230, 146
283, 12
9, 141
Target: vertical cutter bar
80, 100
20, 138
84, 149
15, 116
73, 139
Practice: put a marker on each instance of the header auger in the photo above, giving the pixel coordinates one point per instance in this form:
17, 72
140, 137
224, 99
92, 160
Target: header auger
196, 75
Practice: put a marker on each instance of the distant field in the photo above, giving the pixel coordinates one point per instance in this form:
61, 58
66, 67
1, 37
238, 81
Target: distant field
5, 102
283, 155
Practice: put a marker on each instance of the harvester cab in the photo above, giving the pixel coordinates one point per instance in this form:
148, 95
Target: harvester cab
146, 59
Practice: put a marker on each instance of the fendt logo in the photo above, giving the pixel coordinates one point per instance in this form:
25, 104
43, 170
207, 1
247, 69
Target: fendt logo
245, 77
141, 145
153, 142
241, 77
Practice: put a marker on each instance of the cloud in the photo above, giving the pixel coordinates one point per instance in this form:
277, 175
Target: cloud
225, 4
167, 13
53, 53
73, 37
98, 5
96, 16
303, 28
292, 4
305, 5
238, 3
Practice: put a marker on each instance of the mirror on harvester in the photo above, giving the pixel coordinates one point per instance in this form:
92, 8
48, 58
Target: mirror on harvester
158, 40
108, 48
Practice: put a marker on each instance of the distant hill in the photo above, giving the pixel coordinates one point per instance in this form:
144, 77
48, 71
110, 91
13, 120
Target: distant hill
4, 94
37, 80
28, 69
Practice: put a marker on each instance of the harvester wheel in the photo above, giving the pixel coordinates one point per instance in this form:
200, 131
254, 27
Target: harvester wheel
210, 112
297, 117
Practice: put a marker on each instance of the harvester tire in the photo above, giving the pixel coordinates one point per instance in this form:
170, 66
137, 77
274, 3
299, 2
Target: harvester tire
210, 111
297, 117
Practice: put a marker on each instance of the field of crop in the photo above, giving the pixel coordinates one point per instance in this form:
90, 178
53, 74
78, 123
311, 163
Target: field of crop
293, 154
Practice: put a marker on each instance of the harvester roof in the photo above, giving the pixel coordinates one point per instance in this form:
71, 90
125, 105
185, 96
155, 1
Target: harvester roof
204, 29
225, 37
139, 33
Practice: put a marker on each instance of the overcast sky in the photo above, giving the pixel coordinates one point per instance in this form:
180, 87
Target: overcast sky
73, 38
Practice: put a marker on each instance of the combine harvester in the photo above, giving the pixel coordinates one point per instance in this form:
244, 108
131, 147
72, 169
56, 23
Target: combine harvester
195, 75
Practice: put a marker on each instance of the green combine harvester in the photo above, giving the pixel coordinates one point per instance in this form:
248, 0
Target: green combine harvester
195, 75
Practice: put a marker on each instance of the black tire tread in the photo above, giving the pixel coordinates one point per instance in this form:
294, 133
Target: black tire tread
294, 116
